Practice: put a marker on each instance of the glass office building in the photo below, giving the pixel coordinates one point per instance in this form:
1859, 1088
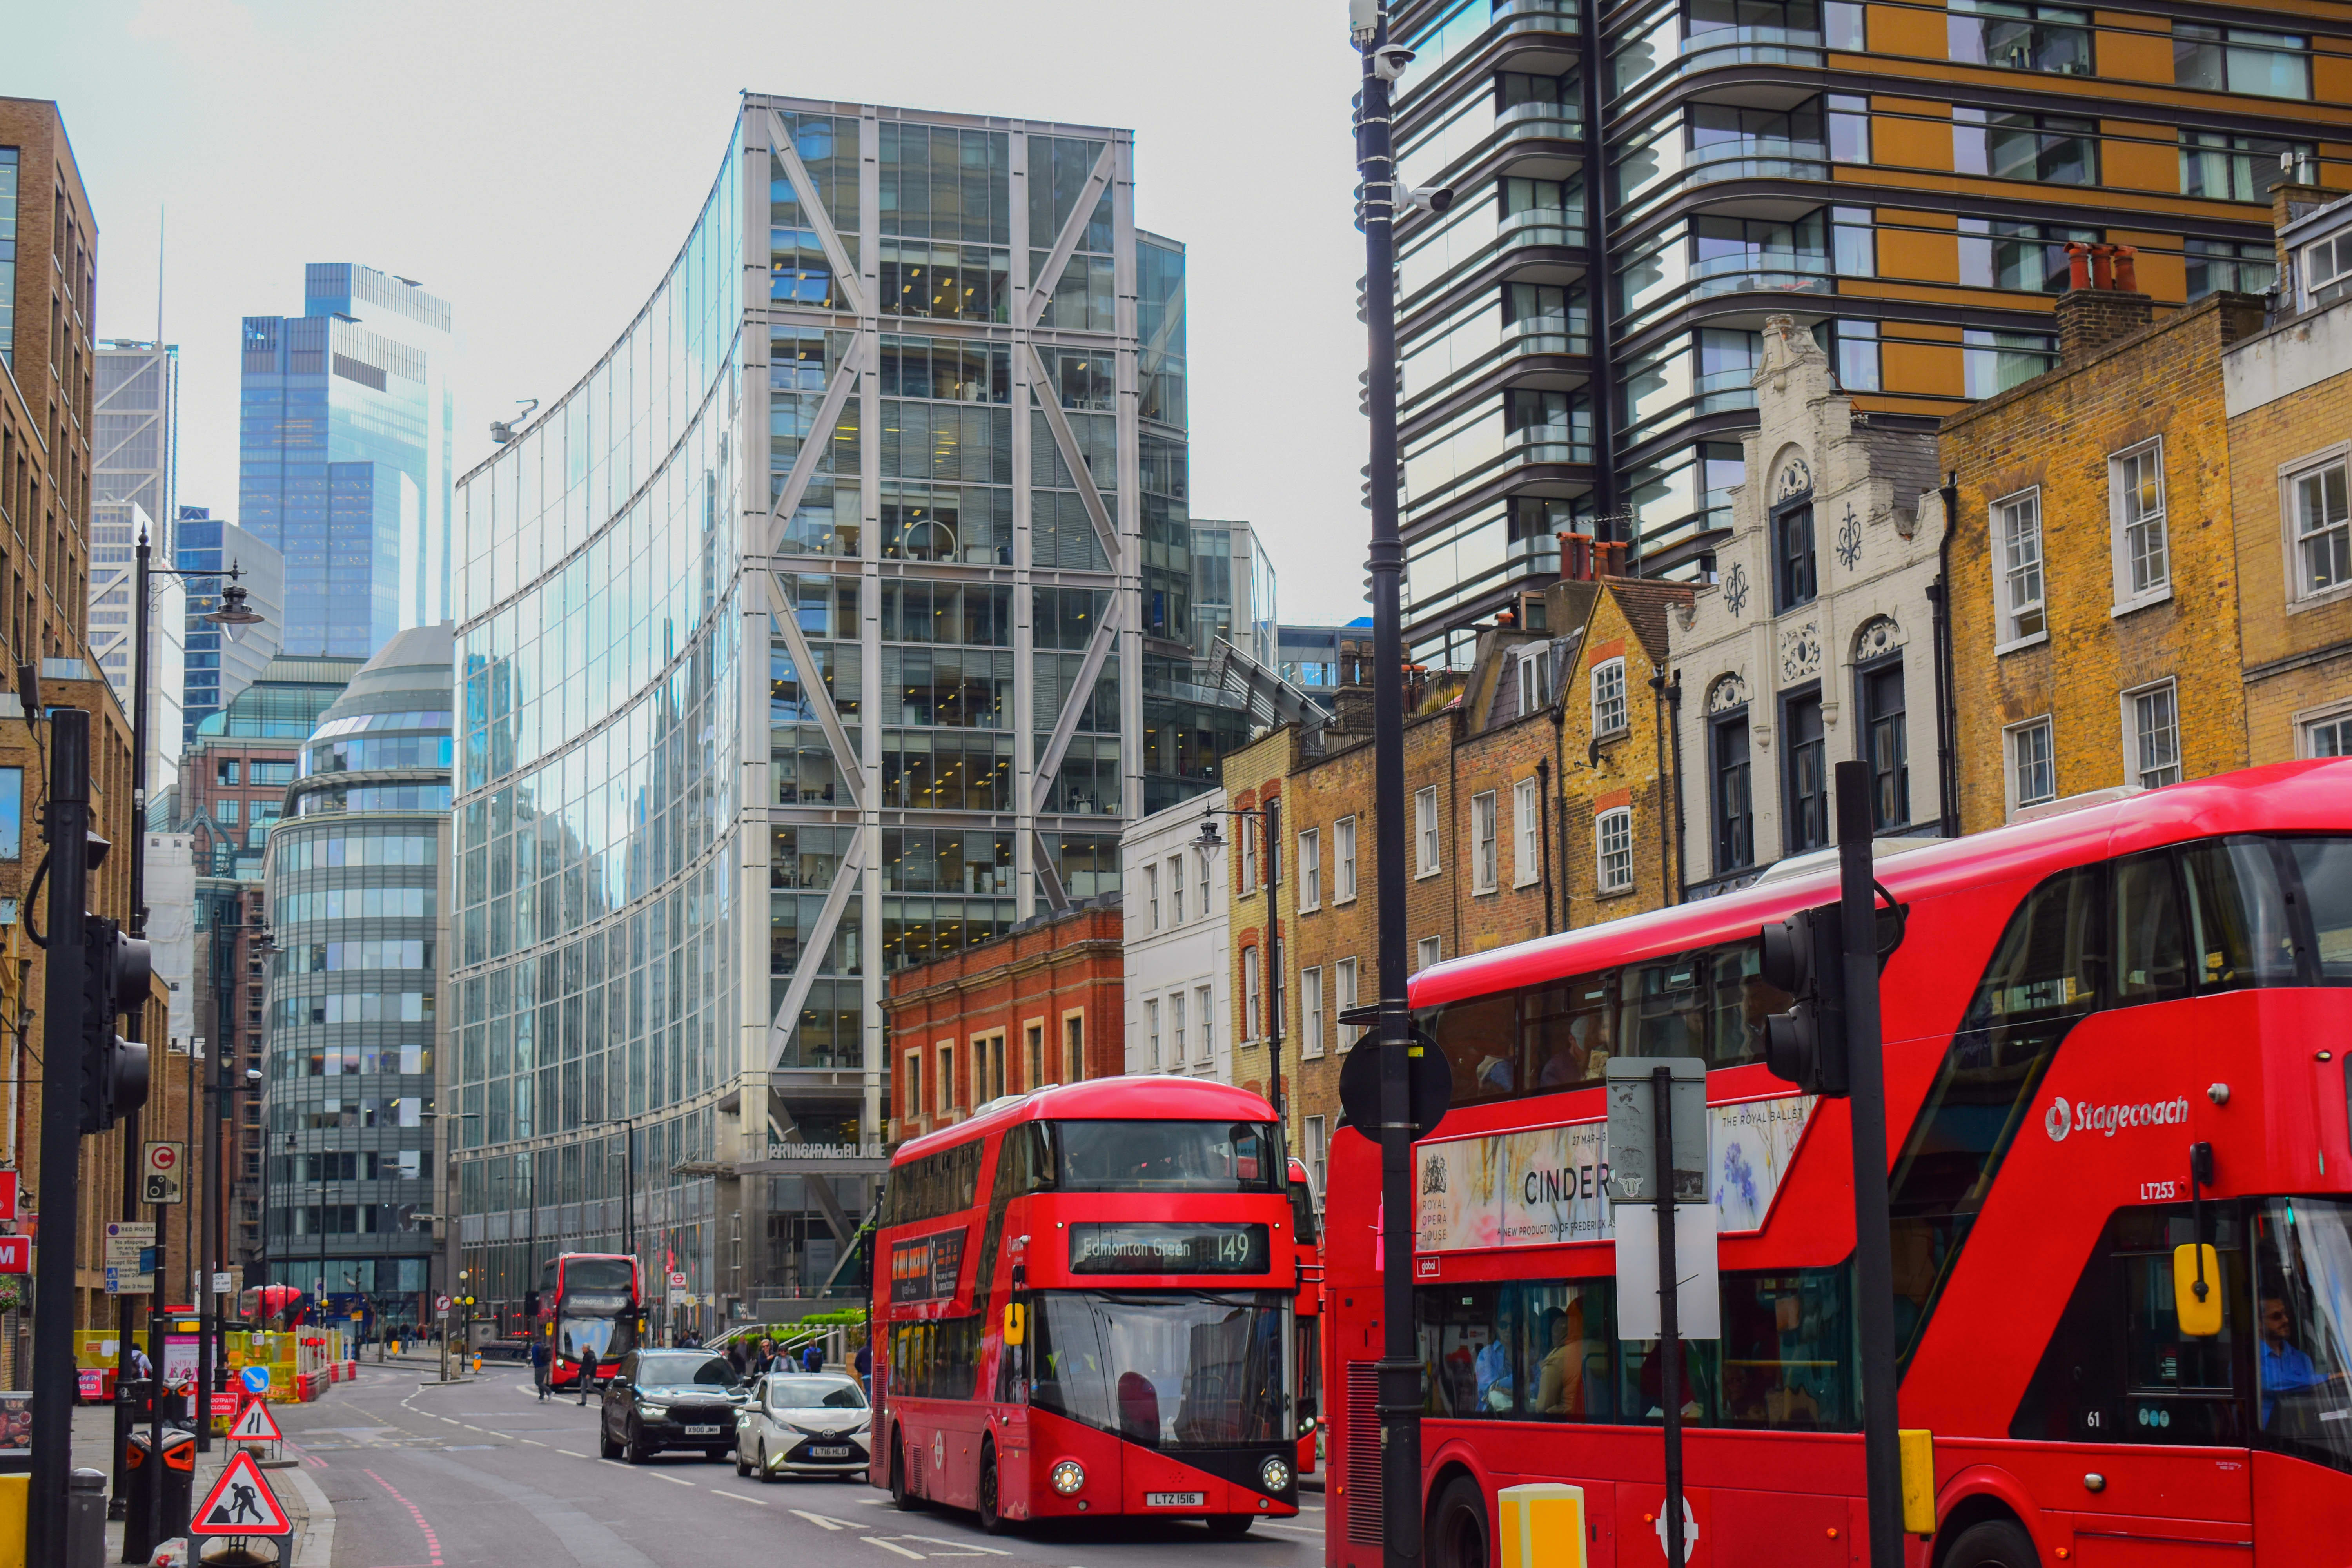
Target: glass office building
345, 432
222, 661
830, 623
356, 880
1754, 164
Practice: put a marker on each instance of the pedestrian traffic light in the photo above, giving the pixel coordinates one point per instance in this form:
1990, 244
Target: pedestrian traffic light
1804, 955
115, 977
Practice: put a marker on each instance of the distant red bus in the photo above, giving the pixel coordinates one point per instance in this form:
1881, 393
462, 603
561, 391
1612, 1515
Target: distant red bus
588, 1310
1083, 1305
2076, 1003
1307, 1236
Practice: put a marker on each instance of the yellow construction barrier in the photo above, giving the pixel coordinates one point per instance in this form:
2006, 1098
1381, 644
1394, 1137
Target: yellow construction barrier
1542, 1525
16, 1499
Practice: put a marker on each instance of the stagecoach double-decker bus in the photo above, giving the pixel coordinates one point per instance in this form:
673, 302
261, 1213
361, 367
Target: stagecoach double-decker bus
2110, 1035
588, 1312
1083, 1305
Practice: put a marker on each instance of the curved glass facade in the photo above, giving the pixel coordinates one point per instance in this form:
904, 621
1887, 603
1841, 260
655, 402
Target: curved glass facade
831, 623
357, 899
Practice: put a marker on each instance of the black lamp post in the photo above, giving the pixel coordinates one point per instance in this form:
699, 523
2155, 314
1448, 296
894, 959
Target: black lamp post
1270, 815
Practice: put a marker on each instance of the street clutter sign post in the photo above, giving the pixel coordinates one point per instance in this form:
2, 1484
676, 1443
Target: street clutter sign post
130, 1257
160, 1169
241, 1504
1657, 1174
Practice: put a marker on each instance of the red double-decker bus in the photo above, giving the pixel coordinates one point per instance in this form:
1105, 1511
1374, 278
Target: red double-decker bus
2080, 1007
588, 1312
1083, 1305
1307, 1237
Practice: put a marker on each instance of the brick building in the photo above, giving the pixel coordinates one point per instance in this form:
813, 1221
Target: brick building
49, 283
1817, 640
2094, 572
1040, 1004
2287, 392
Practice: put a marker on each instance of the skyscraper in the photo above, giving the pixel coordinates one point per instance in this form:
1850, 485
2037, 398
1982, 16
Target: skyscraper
136, 403
345, 440
808, 636
222, 661
1903, 182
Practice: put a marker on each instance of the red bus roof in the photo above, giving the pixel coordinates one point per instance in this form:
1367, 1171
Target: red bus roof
1145, 1096
2283, 797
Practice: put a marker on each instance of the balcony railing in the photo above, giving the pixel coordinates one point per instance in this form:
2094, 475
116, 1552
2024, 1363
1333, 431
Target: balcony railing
1536, 16
1544, 336
1538, 226
1787, 272
1523, 122
1545, 444
1757, 158
1720, 47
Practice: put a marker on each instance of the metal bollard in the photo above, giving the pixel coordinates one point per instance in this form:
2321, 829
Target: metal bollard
85, 1518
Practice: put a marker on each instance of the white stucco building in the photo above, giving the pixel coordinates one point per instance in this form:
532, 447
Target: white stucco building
1817, 642
1178, 941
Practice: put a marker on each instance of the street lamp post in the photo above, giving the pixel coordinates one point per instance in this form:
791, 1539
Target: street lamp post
1270, 817
1399, 1403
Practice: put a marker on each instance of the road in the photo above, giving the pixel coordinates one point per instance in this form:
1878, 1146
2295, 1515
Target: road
482, 1473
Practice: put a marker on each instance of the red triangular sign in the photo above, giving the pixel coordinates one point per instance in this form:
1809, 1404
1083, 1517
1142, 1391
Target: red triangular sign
255, 1424
240, 1503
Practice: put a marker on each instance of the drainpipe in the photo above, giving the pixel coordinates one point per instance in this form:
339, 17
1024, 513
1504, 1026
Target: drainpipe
1674, 746
1543, 831
1665, 839
1946, 719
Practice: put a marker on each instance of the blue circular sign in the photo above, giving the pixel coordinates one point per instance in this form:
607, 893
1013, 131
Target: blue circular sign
256, 1379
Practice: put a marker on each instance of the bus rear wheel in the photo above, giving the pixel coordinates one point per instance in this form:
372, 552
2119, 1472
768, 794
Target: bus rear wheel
1229, 1526
1993, 1543
1458, 1534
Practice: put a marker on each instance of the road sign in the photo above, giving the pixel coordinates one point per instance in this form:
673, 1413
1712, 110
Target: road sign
1698, 1303
161, 1172
16, 1255
125, 1239
677, 1281
255, 1424
240, 1503
225, 1282
225, 1402
443, 1305
7, 1194
1633, 1151
255, 1378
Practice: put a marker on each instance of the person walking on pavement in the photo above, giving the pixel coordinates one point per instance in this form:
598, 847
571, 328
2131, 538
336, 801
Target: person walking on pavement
539, 1365
813, 1357
864, 1362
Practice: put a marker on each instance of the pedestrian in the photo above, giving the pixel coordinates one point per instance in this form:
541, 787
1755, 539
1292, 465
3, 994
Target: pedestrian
813, 1357
140, 1368
763, 1361
864, 1361
735, 1357
539, 1365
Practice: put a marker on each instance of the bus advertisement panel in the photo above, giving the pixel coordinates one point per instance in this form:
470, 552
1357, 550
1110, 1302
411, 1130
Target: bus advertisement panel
1088, 1305
2112, 1036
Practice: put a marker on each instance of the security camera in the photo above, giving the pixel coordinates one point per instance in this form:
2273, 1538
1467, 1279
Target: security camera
1389, 61
1431, 199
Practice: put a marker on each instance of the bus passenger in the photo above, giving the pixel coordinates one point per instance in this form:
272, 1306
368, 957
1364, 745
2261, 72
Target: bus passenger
1561, 1391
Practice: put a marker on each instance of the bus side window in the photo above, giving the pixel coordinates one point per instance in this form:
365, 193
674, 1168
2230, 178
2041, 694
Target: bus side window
2151, 939
1741, 1002
1565, 1034
2326, 868
2237, 916
1466, 1350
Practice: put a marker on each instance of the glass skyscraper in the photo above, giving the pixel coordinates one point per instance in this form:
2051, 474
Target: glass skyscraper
356, 880
346, 428
222, 661
824, 626
136, 410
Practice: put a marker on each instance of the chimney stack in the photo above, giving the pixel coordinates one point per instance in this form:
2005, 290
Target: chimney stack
2102, 303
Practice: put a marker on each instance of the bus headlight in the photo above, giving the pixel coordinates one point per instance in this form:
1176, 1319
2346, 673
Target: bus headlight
1274, 1474
1068, 1477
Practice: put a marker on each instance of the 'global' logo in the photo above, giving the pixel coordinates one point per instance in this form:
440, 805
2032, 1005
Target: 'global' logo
2064, 1118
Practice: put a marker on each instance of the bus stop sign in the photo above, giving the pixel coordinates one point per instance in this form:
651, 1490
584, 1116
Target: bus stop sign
1632, 1139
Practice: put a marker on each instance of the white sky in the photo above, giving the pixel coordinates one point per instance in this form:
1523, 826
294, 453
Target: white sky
537, 165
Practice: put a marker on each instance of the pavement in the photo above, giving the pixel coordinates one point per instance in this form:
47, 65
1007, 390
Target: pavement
412, 1473
307, 1508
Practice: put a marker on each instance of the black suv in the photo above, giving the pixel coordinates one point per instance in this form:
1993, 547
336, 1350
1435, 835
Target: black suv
670, 1399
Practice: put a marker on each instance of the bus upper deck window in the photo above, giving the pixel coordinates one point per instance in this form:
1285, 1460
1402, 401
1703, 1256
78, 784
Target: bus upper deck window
2151, 939
2238, 915
2326, 868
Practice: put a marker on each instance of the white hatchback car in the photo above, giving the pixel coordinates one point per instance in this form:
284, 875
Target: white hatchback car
805, 1424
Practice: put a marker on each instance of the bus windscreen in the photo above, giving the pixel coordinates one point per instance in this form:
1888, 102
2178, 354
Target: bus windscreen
578, 1339
597, 1285
1165, 1370
1166, 1157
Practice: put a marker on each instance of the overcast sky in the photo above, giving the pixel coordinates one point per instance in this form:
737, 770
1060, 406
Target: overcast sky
537, 165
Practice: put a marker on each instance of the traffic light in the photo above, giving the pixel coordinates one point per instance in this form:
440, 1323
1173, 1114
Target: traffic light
1804, 955
114, 980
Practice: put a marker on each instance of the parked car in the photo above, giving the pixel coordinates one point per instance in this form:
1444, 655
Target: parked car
670, 1399
803, 1424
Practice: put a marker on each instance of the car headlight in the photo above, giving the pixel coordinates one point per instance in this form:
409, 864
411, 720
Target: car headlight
1068, 1477
653, 1412
1274, 1474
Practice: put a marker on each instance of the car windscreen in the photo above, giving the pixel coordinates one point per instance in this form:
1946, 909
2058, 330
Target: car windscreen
1166, 1157
672, 1369
815, 1394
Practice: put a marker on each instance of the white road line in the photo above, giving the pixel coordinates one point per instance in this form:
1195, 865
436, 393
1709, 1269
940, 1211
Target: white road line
959, 1545
673, 1480
1289, 1529
739, 1496
569, 1455
828, 1521
889, 1545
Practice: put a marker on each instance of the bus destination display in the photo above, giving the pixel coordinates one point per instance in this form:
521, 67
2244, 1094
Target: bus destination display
1112, 1247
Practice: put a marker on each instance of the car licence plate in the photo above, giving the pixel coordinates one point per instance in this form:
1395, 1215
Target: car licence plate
703, 1431
840, 1452
1175, 1500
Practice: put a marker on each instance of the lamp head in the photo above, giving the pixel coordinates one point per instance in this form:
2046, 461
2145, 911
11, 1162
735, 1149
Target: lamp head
1210, 838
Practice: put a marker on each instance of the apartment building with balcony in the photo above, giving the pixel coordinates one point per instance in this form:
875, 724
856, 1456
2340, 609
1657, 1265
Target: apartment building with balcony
1901, 180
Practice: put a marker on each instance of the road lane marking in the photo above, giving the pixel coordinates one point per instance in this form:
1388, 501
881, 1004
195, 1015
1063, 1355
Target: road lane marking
569, 1455
1289, 1529
432, 1541
532, 1441
889, 1546
739, 1496
672, 1479
959, 1545
828, 1521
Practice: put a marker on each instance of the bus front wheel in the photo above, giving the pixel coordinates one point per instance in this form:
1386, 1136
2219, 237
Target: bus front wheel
1229, 1526
1458, 1535
1993, 1543
992, 1522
